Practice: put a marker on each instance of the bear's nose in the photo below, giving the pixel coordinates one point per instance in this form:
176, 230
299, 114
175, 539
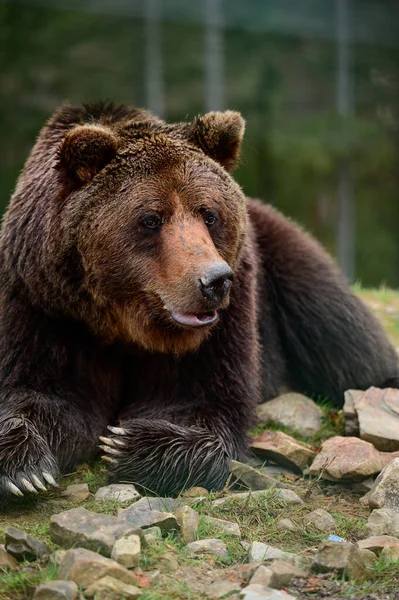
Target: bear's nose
216, 281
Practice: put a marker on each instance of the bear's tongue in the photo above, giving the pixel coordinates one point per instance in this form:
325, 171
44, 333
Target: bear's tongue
195, 319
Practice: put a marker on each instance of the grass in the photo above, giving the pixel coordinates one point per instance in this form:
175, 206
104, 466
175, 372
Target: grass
257, 517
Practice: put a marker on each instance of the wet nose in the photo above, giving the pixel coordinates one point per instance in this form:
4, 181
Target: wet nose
216, 281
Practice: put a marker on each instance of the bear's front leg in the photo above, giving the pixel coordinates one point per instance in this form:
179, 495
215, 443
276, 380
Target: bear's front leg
26, 461
43, 435
163, 458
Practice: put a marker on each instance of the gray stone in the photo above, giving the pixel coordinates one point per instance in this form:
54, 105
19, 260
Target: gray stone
359, 564
160, 504
117, 492
86, 567
286, 524
262, 576
348, 458
220, 589
7, 562
255, 591
187, 519
390, 553
151, 534
57, 590
207, 547
320, 519
77, 491
385, 491
294, 411
376, 543
251, 478
332, 556
126, 551
283, 573
350, 414
81, 527
23, 546
109, 588
378, 414
383, 521
222, 527
151, 518
259, 552
283, 449
285, 495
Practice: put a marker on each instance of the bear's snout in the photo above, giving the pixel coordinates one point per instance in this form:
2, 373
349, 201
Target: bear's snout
215, 282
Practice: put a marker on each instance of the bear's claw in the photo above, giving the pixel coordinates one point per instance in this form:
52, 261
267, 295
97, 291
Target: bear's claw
28, 486
50, 479
38, 483
111, 450
13, 488
109, 459
117, 430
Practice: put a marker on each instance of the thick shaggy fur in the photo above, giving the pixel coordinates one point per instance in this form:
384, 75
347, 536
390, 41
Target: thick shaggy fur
87, 293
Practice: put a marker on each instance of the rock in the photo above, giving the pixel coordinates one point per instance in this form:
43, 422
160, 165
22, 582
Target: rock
57, 557
255, 591
348, 459
259, 552
167, 561
86, 567
109, 588
283, 449
320, 519
251, 478
160, 504
376, 543
285, 495
144, 519
7, 562
383, 521
77, 491
81, 527
117, 492
262, 576
187, 519
283, 573
294, 411
23, 546
286, 524
378, 413
391, 553
195, 492
332, 556
222, 527
208, 547
359, 564
220, 589
351, 420
385, 491
126, 551
152, 534
57, 590
150, 512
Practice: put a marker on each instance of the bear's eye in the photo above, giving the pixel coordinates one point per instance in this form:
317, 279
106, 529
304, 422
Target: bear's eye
210, 218
152, 221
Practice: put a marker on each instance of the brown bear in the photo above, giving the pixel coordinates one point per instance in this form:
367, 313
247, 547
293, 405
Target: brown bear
141, 290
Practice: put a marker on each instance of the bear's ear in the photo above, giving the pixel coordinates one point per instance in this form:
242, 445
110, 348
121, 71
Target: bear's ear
86, 150
219, 135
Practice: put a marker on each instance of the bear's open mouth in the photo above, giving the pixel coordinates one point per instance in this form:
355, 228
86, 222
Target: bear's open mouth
195, 319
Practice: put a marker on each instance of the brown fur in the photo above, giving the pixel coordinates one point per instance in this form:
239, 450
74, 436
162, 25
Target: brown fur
89, 288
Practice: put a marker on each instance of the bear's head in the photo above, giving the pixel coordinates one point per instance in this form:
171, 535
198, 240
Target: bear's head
150, 226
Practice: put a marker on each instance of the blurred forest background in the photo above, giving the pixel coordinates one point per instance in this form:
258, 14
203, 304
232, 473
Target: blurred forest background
316, 80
